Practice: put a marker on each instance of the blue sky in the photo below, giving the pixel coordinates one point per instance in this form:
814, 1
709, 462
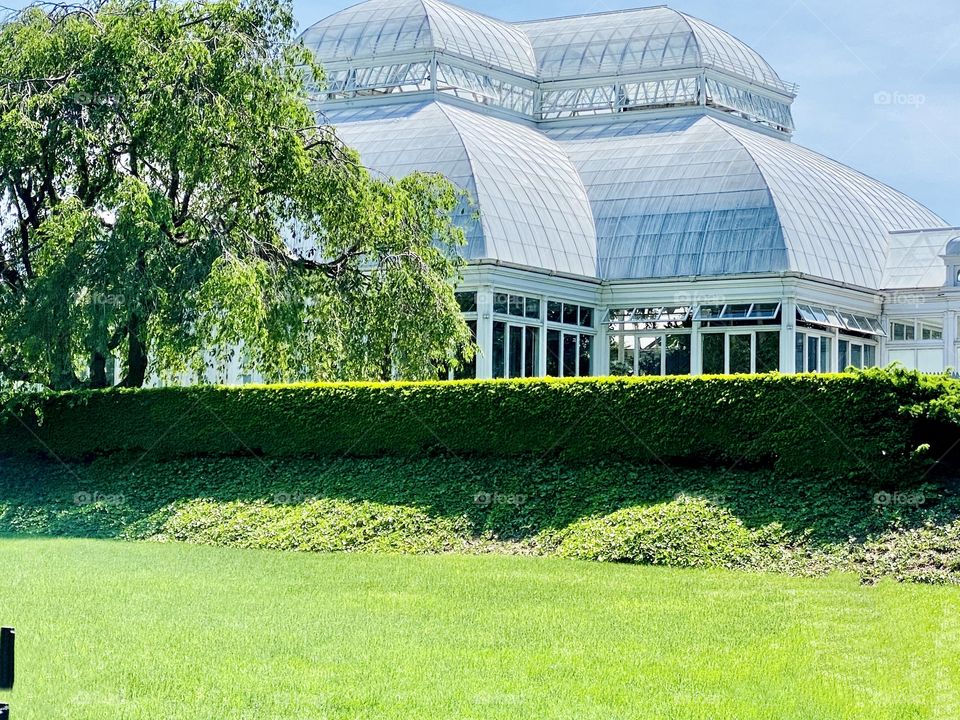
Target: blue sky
844, 54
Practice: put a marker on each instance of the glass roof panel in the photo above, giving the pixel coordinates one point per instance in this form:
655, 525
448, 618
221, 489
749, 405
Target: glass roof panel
533, 209
379, 27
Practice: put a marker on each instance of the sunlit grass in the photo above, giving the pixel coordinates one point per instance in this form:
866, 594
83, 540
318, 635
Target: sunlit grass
145, 631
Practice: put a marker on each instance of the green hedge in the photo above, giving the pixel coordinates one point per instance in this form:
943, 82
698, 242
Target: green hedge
868, 424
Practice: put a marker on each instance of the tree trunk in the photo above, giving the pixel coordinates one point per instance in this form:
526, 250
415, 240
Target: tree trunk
136, 355
98, 371
62, 376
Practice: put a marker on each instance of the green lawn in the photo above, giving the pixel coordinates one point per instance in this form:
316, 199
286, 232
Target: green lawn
140, 631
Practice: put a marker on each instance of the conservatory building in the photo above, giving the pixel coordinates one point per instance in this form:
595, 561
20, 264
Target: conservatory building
638, 206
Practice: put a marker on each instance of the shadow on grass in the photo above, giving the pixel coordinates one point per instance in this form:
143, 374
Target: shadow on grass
511, 498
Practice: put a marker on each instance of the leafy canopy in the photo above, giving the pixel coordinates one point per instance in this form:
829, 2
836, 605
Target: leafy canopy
169, 196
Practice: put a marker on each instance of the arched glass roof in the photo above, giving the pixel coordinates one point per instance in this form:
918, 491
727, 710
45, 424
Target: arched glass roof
533, 209
633, 41
701, 196
384, 27
675, 198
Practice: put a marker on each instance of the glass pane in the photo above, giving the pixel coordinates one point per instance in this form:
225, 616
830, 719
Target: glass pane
678, 355
586, 317
630, 353
856, 356
554, 311
709, 312
533, 308
869, 356
648, 355
569, 355
825, 354
531, 364
740, 354
570, 314
467, 301
516, 305
801, 342
764, 311
812, 354
736, 312
468, 371
616, 352
500, 303
515, 355
553, 353
586, 353
768, 352
713, 354
499, 349
843, 351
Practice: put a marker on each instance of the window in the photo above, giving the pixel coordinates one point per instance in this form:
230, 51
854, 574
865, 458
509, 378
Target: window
467, 301
816, 316
569, 354
462, 369
856, 353
738, 312
554, 311
901, 331
651, 318
713, 354
768, 352
517, 306
516, 350
570, 314
533, 308
741, 352
677, 355
814, 353
650, 354
931, 330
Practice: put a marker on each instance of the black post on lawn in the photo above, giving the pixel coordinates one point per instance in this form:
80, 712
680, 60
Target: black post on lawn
7, 636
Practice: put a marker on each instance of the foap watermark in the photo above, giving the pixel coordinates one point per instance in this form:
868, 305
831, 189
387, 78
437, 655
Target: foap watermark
899, 499
88, 99
98, 298
904, 297
98, 498
899, 99
486, 499
690, 299
286, 498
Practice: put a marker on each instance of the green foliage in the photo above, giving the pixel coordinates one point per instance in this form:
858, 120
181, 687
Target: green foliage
748, 519
688, 532
172, 197
875, 426
317, 525
928, 554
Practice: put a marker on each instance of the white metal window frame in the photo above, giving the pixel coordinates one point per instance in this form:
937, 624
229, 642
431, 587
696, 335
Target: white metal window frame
661, 335
727, 333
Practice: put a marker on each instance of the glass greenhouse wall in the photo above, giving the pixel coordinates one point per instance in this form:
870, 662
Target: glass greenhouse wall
637, 206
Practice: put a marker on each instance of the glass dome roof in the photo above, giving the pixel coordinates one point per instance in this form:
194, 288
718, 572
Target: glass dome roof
632, 41
695, 196
702, 196
392, 27
533, 210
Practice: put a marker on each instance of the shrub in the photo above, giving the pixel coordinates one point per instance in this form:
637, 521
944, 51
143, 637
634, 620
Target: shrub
930, 554
868, 424
688, 532
320, 525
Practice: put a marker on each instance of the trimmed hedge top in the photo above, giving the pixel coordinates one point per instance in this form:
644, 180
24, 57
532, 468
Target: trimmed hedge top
868, 424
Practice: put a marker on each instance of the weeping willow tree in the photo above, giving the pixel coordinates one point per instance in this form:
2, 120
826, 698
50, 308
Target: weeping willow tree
169, 197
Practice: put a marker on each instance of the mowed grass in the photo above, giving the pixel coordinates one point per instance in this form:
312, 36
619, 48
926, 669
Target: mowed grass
139, 631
